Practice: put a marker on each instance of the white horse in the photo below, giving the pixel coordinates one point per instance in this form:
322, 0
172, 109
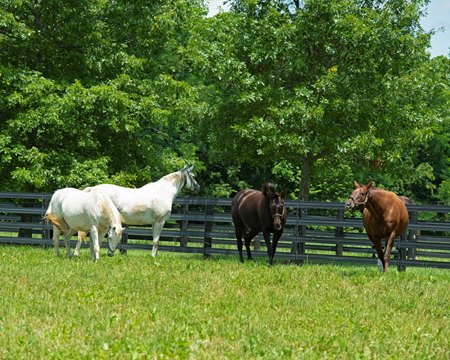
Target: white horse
72, 210
150, 204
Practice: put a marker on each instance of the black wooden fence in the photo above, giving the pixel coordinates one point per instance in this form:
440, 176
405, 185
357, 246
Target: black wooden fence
315, 231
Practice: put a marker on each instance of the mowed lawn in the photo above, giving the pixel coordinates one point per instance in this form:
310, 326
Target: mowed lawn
182, 306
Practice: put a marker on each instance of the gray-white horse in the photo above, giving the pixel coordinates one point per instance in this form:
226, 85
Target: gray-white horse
150, 204
72, 210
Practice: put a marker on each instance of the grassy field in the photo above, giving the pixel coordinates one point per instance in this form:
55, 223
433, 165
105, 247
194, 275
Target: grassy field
182, 306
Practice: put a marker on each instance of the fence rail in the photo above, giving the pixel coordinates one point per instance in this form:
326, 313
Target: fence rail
314, 232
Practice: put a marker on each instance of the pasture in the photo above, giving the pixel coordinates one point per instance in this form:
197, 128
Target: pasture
182, 306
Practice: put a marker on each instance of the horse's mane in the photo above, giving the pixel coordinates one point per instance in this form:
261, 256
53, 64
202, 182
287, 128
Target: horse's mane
173, 177
268, 189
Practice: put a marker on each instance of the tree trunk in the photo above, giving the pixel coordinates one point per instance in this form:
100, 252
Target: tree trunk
307, 165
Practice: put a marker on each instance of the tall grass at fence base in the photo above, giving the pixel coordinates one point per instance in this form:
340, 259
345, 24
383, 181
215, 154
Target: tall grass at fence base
182, 306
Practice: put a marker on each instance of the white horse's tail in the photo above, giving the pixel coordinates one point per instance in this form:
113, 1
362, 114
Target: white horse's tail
57, 221
51, 216
49, 210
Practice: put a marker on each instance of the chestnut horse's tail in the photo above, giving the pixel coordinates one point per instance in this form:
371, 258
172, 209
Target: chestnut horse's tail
268, 189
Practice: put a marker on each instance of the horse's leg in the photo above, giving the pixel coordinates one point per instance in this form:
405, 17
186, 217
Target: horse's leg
379, 249
276, 237
238, 232
387, 253
81, 238
56, 233
67, 235
269, 246
95, 247
248, 238
157, 228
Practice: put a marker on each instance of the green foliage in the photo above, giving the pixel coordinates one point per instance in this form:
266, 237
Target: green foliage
181, 306
310, 94
330, 81
109, 105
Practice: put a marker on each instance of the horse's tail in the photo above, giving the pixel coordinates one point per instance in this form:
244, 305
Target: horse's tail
268, 189
48, 214
57, 221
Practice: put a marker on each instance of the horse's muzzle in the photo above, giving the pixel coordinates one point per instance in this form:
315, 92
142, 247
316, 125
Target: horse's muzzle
110, 251
350, 205
277, 224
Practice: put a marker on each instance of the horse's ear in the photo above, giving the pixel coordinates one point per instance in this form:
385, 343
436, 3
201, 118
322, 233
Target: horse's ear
268, 190
356, 185
369, 184
190, 168
282, 195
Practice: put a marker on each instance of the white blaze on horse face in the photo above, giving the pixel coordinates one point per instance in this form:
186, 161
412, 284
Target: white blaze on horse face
357, 200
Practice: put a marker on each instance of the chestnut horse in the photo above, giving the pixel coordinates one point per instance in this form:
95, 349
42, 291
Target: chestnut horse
254, 211
384, 216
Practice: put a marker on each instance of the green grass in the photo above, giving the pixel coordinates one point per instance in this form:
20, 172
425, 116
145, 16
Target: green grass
182, 306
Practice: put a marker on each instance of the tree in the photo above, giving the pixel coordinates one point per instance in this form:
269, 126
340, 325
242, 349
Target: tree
94, 91
325, 82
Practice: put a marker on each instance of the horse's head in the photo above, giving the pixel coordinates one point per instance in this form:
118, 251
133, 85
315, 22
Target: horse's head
114, 237
277, 210
190, 182
359, 197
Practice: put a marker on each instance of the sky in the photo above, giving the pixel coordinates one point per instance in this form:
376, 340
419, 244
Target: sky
438, 16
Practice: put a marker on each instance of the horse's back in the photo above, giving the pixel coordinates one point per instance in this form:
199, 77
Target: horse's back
74, 206
66, 198
114, 192
246, 199
137, 206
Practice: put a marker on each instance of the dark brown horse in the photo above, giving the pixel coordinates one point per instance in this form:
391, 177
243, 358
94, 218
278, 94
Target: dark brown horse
254, 211
384, 216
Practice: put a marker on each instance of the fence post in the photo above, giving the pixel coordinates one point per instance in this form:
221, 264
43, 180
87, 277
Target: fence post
299, 247
26, 218
412, 235
340, 233
207, 242
184, 226
257, 243
401, 252
46, 233
124, 239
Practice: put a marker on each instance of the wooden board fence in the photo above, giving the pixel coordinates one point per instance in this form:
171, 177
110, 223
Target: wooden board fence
315, 231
